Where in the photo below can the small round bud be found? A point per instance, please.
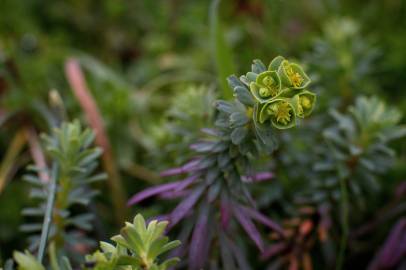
(305, 102)
(264, 92)
(268, 81)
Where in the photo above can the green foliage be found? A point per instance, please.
(70, 148)
(138, 247)
(171, 137)
(357, 147)
(224, 165)
(154, 69)
(26, 261)
(344, 59)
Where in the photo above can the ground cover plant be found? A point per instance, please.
(177, 134)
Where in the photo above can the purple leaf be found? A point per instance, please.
(264, 220)
(239, 256)
(173, 194)
(199, 244)
(258, 177)
(158, 218)
(169, 190)
(400, 190)
(394, 248)
(212, 132)
(225, 212)
(172, 171)
(183, 208)
(262, 176)
(186, 182)
(274, 250)
(179, 191)
(248, 226)
(191, 165)
(148, 192)
(226, 255)
(203, 146)
(188, 167)
(183, 237)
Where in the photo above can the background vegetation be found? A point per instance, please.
(153, 70)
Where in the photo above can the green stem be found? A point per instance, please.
(221, 51)
(52, 256)
(344, 223)
(48, 212)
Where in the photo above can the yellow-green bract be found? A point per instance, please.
(278, 93)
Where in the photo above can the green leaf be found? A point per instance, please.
(257, 66)
(156, 247)
(238, 135)
(169, 263)
(27, 261)
(244, 96)
(238, 119)
(139, 224)
(275, 63)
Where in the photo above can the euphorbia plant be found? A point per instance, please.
(138, 247)
(342, 178)
(216, 182)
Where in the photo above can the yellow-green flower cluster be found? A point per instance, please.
(280, 92)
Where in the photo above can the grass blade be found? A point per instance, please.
(221, 51)
(77, 81)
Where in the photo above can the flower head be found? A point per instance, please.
(280, 112)
(304, 103)
(292, 75)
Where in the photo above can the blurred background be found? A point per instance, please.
(146, 63)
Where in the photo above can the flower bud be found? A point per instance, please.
(267, 85)
(304, 103)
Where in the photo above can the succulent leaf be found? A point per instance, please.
(137, 247)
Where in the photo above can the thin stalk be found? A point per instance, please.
(7, 164)
(52, 257)
(344, 223)
(48, 212)
(80, 89)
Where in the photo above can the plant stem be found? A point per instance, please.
(6, 166)
(344, 223)
(80, 89)
(221, 51)
(48, 212)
